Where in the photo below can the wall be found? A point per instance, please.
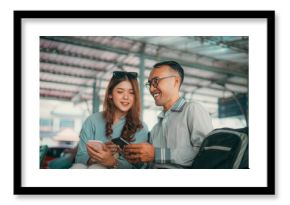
(282, 94)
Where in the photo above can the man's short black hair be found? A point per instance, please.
(174, 65)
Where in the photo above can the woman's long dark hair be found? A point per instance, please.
(133, 122)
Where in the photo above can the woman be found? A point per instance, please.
(120, 118)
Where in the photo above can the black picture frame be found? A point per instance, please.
(19, 189)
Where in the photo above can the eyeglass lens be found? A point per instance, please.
(153, 82)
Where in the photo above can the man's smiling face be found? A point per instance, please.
(164, 86)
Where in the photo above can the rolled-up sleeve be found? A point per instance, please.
(85, 134)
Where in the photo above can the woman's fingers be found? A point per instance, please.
(92, 152)
(113, 148)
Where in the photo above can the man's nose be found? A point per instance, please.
(151, 88)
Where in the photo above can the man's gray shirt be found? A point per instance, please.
(179, 132)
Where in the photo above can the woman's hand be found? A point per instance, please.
(101, 156)
(113, 147)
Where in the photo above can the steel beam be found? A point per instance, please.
(89, 44)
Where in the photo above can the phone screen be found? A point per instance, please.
(120, 141)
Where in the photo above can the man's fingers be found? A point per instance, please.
(133, 157)
(132, 149)
(134, 146)
(133, 161)
(130, 152)
(137, 147)
(130, 157)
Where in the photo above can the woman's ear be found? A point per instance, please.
(110, 96)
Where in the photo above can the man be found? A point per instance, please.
(181, 126)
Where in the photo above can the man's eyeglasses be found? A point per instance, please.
(122, 74)
(154, 82)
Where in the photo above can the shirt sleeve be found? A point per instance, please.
(162, 154)
(199, 124)
(85, 134)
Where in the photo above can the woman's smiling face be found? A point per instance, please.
(123, 96)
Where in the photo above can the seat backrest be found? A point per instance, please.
(223, 148)
(42, 153)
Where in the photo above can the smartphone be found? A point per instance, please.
(120, 141)
(96, 143)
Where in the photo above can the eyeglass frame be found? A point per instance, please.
(157, 79)
(122, 74)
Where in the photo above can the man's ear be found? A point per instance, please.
(177, 82)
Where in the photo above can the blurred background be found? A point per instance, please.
(75, 71)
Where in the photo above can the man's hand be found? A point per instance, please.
(136, 153)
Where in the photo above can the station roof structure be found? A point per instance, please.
(72, 67)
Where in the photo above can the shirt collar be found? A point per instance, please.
(177, 107)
